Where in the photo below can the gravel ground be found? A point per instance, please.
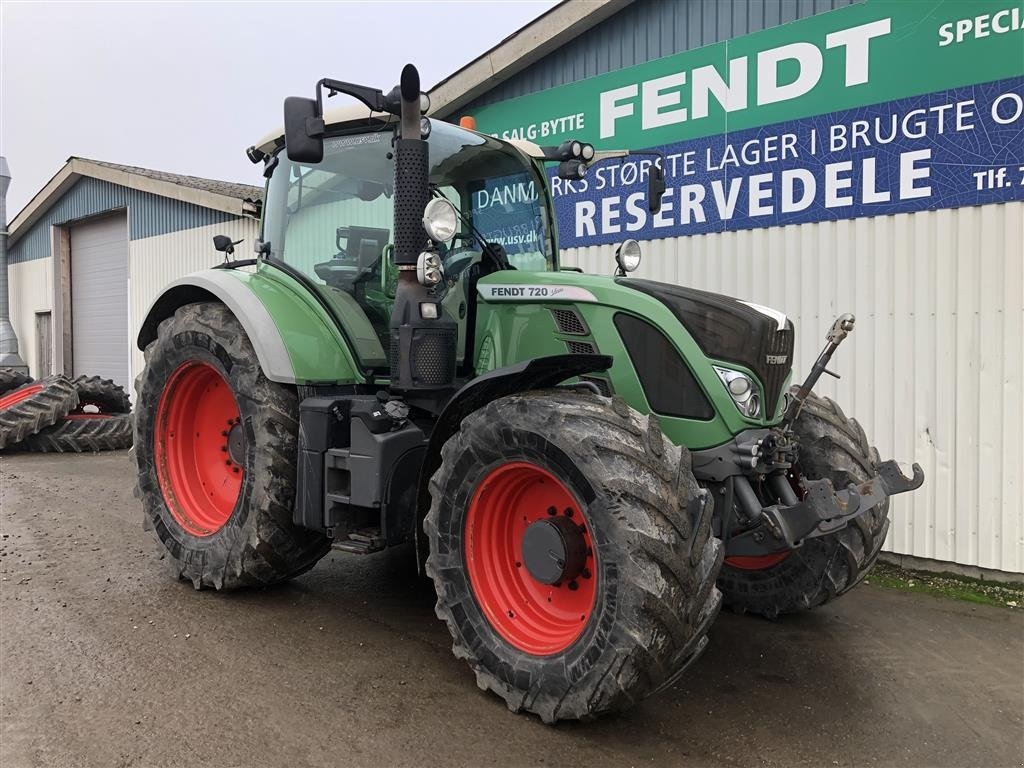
(107, 661)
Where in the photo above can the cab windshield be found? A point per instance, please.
(333, 220)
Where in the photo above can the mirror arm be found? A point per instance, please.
(372, 97)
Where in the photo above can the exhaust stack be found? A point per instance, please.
(423, 338)
(9, 357)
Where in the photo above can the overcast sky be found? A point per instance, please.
(187, 86)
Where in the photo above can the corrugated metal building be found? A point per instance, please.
(92, 250)
(934, 369)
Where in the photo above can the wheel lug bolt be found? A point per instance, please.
(552, 511)
(224, 434)
(235, 470)
(573, 586)
(223, 449)
(568, 512)
(227, 463)
(586, 573)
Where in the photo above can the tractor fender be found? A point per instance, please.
(538, 373)
(219, 285)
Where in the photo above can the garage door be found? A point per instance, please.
(99, 298)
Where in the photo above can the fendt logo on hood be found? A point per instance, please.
(776, 359)
(534, 293)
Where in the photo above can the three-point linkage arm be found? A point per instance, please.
(840, 329)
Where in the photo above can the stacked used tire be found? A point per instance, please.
(61, 415)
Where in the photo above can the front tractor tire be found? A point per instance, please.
(832, 447)
(567, 566)
(215, 444)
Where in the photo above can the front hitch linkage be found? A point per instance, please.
(824, 509)
(841, 328)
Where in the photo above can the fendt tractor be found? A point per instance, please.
(571, 456)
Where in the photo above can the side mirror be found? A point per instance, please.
(303, 130)
(225, 244)
(655, 187)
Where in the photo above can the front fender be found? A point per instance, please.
(295, 342)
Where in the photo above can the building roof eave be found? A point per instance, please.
(545, 34)
(77, 168)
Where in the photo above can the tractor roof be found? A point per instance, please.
(353, 112)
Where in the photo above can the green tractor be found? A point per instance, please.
(573, 456)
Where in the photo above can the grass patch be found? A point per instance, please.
(947, 585)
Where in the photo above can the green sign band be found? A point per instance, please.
(877, 51)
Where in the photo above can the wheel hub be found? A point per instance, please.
(199, 448)
(530, 558)
(554, 550)
(236, 443)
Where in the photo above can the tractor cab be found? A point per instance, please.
(332, 220)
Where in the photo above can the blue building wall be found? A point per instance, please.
(149, 215)
(648, 30)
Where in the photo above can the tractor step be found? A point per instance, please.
(361, 542)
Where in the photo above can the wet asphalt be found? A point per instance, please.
(105, 660)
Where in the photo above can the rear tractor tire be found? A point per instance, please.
(832, 447)
(215, 444)
(34, 406)
(96, 395)
(568, 565)
(83, 433)
(102, 421)
(12, 379)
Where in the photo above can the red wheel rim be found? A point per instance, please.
(538, 618)
(11, 399)
(194, 418)
(758, 562)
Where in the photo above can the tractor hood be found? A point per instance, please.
(730, 330)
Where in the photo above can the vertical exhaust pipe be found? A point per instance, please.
(9, 357)
(412, 189)
(423, 342)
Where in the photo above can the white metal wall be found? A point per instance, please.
(153, 262)
(933, 370)
(31, 290)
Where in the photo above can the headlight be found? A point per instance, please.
(440, 220)
(742, 391)
(627, 255)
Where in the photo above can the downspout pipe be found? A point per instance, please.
(9, 357)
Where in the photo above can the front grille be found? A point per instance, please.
(726, 329)
(780, 344)
(581, 347)
(569, 323)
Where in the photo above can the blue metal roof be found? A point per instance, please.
(149, 215)
(651, 29)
